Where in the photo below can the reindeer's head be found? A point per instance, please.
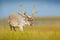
(28, 19)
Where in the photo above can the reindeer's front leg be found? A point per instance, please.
(20, 28)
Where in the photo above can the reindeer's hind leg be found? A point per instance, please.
(14, 28)
(10, 27)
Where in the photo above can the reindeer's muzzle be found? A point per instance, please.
(30, 24)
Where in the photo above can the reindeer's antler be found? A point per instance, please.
(33, 10)
(21, 8)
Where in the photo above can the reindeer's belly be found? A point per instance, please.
(15, 24)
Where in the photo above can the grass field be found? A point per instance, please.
(35, 32)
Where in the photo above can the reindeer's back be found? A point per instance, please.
(15, 16)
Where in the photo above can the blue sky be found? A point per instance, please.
(43, 7)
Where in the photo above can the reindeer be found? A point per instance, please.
(19, 20)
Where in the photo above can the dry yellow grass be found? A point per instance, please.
(35, 32)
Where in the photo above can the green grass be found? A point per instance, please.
(35, 32)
